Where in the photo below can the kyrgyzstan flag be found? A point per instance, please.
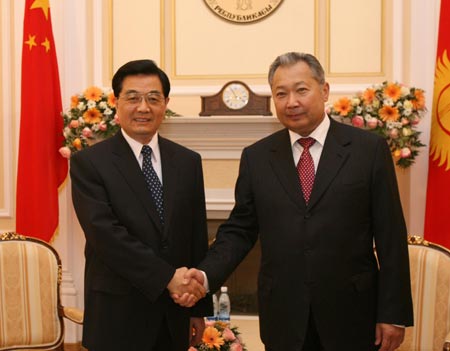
(437, 215)
(41, 169)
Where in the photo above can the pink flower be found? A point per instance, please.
(393, 133)
(405, 152)
(358, 121)
(87, 133)
(228, 335)
(102, 126)
(372, 123)
(65, 152)
(415, 121)
(236, 346)
(192, 349)
(405, 121)
(74, 124)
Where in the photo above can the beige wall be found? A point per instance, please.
(197, 48)
(201, 52)
(358, 42)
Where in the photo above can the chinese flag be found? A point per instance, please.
(437, 215)
(41, 169)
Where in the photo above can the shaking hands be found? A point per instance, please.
(186, 286)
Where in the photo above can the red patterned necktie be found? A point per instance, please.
(305, 167)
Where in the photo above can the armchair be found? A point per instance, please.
(430, 284)
(31, 314)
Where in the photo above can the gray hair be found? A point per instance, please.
(291, 58)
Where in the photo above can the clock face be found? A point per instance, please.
(235, 96)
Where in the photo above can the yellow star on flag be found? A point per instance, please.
(31, 41)
(41, 4)
(46, 44)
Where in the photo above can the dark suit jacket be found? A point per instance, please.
(130, 257)
(320, 257)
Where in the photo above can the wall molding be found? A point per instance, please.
(7, 70)
(262, 89)
(219, 137)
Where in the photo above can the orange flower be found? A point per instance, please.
(343, 106)
(419, 102)
(92, 116)
(393, 91)
(111, 100)
(93, 93)
(77, 143)
(211, 337)
(74, 101)
(389, 114)
(368, 96)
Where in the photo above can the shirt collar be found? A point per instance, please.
(136, 146)
(319, 134)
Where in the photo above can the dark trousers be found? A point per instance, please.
(164, 339)
(312, 339)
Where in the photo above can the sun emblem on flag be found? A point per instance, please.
(440, 123)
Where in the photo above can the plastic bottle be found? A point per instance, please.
(215, 315)
(224, 305)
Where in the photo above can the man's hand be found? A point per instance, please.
(184, 290)
(197, 326)
(389, 336)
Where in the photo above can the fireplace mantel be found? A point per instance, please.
(218, 138)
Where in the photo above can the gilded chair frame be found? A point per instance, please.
(420, 242)
(13, 337)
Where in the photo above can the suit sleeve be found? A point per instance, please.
(200, 239)
(118, 254)
(236, 237)
(390, 233)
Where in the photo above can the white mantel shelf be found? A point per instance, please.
(218, 137)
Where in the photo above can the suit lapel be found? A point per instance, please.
(333, 157)
(170, 178)
(127, 164)
(284, 168)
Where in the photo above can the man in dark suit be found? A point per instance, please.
(140, 228)
(319, 285)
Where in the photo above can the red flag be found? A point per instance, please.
(437, 215)
(41, 169)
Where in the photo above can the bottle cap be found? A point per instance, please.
(224, 289)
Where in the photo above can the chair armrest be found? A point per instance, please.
(447, 343)
(74, 314)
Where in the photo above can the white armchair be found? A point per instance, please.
(31, 314)
(430, 284)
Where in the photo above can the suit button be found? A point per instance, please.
(307, 215)
(164, 245)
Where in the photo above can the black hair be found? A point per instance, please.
(137, 67)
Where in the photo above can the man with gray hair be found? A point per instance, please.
(318, 195)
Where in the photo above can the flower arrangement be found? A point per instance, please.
(221, 337)
(91, 118)
(390, 110)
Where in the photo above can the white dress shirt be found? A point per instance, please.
(319, 134)
(156, 155)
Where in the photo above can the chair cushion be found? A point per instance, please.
(28, 295)
(430, 284)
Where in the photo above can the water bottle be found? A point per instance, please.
(215, 315)
(224, 305)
